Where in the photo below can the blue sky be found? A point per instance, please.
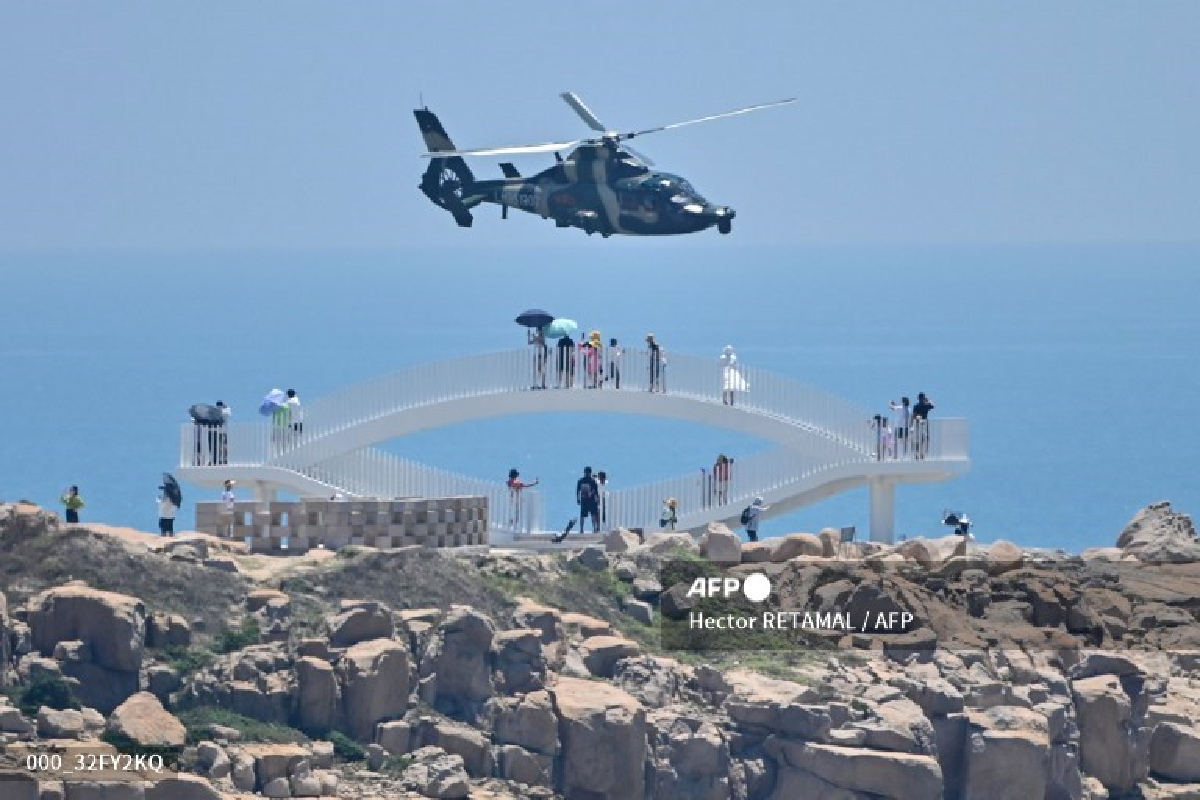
(176, 126)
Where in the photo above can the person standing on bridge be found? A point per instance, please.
(295, 414)
(516, 487)
(587, 495)
(731, 377)
(720, 473)
(615, 351)
(657, 364)
(901, 422)
(566, 362)
(920, 424)
(537, 341)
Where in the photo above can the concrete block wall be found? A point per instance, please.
(297, 526)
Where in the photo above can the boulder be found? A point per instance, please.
(668, 543)
(1175, 753)
(590, 559)
(641, 611)
(271, 762)
(521, 766)
(12, 722)
(621, 540)
(1113, 745)
(161, 680)
(168, 630)
(520, 664)
(1156, 534)
(395, 737)
(360, 621)
(932, 553)
(181, 787)
(831, 541)
(757, 552)
(721, 545)
(603, 734)
(527, 721)
(547, 621)
(112, 625)
(471, 745)
(796, 544)
(1003, 556)
(1006, 765)
(459, 660)
(601, 653)
(374, 677)
(143, 719)
(21, 787)
(900, 776)
(435, 773)
(55, 724)
(317, 696)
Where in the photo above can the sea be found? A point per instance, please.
(1077, 366)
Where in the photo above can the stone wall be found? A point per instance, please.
(300, 525)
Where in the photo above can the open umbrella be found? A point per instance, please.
(171, 489)
(275, 399)
(560, 328)
(534, 318)
(206, 414)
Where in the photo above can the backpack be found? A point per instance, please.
(746, 516)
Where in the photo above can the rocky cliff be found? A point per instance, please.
(410, 673)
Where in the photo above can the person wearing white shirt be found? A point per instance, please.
(295, 412)
(229, 498)
(166, 514)
(753, 512)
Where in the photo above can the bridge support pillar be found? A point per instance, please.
(883, 510)
(264, 492)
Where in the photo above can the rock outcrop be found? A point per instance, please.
(603, 732)
(111, 631)
(143, 720)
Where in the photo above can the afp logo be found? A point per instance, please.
(756, 588)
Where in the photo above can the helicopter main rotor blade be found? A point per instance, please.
(498, 151)
(584, 112)
(734, 113)
(646, 160)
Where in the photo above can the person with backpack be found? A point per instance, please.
(669, 515)
(587, 495)
(750, 517)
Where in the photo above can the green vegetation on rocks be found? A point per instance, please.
(200, 719)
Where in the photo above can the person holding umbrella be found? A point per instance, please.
(169, 500)
(535, 319)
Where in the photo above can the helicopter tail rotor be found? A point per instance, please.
(448, 180)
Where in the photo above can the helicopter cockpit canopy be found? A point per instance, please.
(675, 189)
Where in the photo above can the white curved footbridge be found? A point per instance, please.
(825, 445)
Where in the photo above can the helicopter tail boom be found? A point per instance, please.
(447, 181)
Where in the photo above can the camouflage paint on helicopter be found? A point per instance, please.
(601, 187)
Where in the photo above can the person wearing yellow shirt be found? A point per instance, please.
(73, 502)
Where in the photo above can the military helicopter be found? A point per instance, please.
(602, 186)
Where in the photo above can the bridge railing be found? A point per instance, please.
(703, 379)
(374, 473)
(700, 492)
